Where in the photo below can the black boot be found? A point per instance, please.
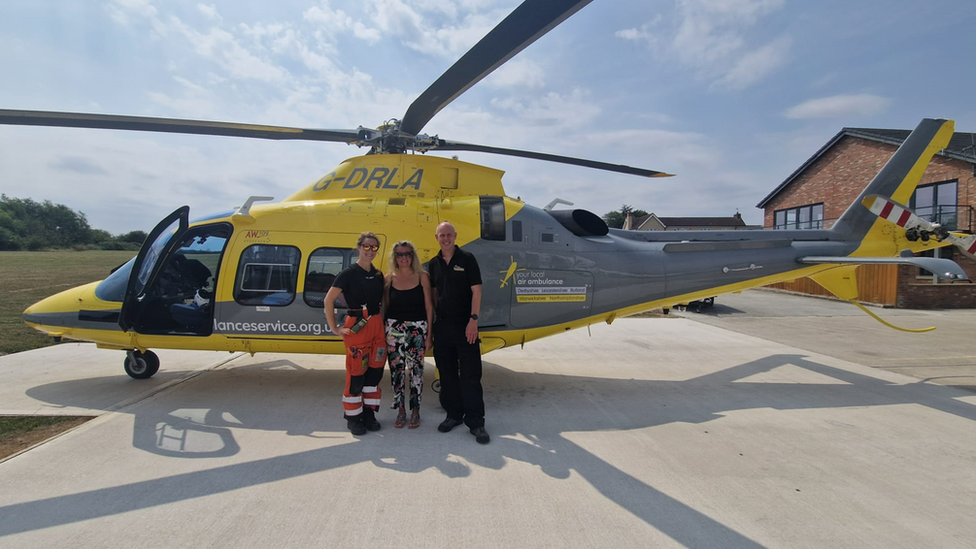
(356, 425)
(369, 419)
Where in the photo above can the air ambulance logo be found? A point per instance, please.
(512, 269)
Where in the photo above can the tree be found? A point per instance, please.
(35, 226)
(616, 219)
(135, 237)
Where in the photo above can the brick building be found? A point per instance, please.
(821, 189)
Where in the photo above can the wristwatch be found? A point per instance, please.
(474, 317)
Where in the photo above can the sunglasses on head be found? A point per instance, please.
(404, 254)
(368, 248)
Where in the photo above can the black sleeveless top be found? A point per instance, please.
(407, 304)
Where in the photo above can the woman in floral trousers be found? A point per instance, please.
(409, 312)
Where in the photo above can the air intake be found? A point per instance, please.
(581, 222)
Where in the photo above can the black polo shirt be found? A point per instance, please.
(361, 288)
(453, 283)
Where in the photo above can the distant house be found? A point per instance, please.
(652, 222)
(822, 188)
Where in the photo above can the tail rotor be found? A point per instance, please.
(917, 228)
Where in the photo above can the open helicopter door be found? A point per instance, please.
(147, 263)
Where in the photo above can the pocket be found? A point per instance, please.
(379, 357)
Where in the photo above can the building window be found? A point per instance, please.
(937, 203)
(944, 253)
(802, 217)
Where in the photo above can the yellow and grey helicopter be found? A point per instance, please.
(254, 279)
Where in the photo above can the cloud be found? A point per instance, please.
(209, 11)
(551, 111)
(839, 106)
(754, 65)
(329, 23)
(434, 28)
(712, 37)
(77, 165)
(123, 11)
(518, 72)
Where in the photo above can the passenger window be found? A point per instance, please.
(267, 275)
(323, 266)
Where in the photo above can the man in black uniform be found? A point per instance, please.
(456, 278)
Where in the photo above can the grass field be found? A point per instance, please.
(18, 433)
(28, 277)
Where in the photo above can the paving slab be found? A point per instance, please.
(649, 433)
(945, 355)
(78, 379)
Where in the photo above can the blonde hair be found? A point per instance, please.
(414, 259)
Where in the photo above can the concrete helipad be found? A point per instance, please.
(648, 433)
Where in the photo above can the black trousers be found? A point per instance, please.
(459, 367)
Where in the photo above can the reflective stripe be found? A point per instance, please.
(369, 389)
(352, 399)
(355, 412)
(371, 401)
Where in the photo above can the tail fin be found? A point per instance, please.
(896, 180)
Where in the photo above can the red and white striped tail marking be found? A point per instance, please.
(968, 244)
(902, 217)
(896, 214)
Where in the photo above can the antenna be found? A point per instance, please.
(555, 201)
(246, 208)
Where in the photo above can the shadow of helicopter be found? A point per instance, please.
(283, 396)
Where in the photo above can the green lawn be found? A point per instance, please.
(28, 277)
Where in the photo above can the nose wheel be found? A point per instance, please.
(141, 365)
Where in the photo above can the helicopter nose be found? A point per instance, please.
(54, 314)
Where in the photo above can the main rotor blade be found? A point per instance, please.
(619, 168)
(522, 27)
(171, 125)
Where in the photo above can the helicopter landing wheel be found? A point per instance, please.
(435, 386)
(141, 365)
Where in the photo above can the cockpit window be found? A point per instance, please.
(149, 264)
(113, 287)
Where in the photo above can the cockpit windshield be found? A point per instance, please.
(113, 287)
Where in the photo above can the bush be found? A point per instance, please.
(9, 241)
(36, 243)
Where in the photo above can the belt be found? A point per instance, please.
(358, 313)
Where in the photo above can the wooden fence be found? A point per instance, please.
(876, 284)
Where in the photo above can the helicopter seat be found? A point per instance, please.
(190, 316)
(278, 298)
(194, 314)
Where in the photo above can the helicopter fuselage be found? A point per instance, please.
(265, 271)
(255, 279)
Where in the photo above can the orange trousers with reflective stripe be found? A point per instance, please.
(365, 361)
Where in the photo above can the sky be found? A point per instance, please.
(731, 96)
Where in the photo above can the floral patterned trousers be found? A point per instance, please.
(405, 345)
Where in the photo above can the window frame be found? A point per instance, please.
(242, 270)
(936, 214)
(793, 218)
(348, 255)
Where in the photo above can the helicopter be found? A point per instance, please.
(254, 278)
